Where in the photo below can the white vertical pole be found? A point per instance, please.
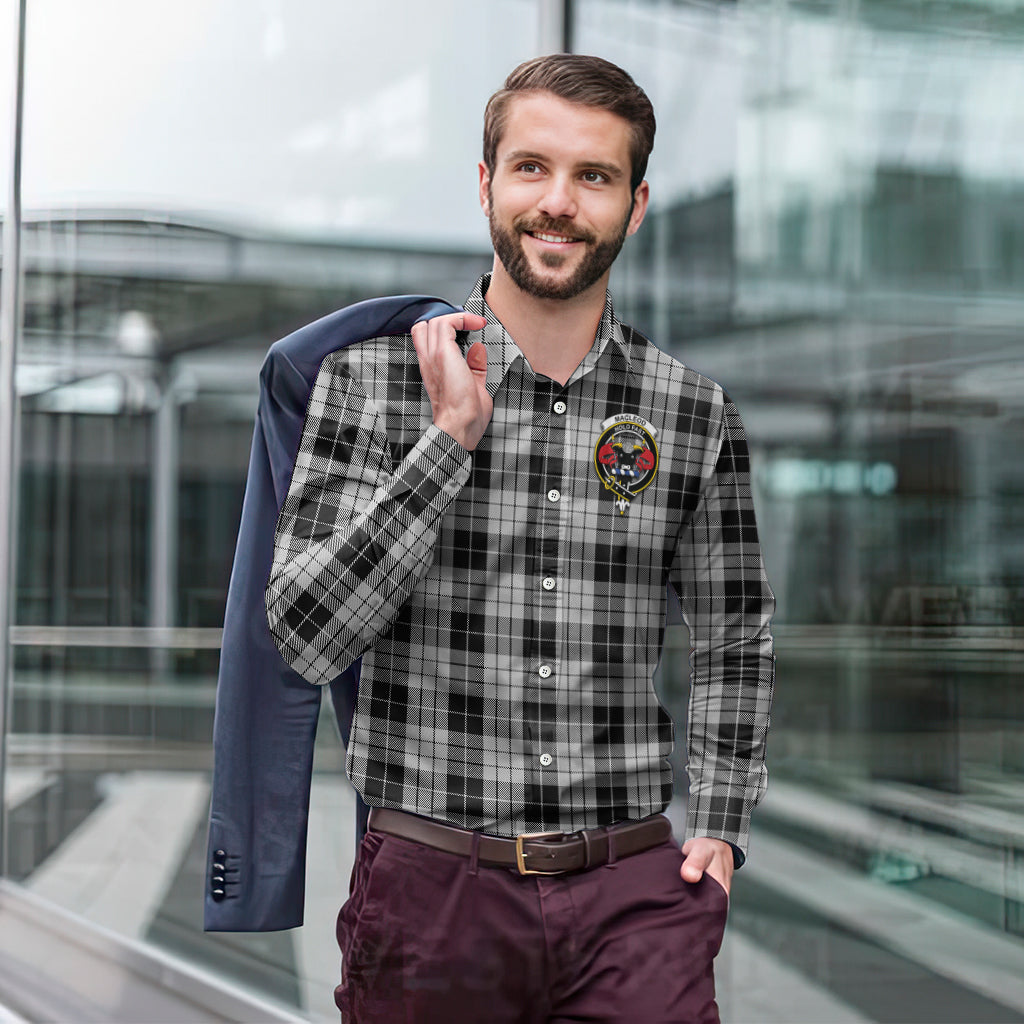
(163, 548)
(553, 26)
(10, 318)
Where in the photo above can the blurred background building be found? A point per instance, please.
(836, 235)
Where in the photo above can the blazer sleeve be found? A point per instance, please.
(266, 714)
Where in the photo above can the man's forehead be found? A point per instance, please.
(536, 119)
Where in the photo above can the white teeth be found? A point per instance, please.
(551, 238)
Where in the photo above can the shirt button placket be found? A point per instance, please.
(550, 518)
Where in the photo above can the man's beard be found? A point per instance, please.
(597, 259)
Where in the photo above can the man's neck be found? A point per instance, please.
(554, 334)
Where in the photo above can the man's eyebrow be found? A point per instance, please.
(611, 170)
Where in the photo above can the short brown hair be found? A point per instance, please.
(575, 77)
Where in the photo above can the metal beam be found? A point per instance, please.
(10, 319)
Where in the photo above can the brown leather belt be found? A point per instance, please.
(532, 853)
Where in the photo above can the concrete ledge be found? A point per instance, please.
(55, 966)
(980, 959)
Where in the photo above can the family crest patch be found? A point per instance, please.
(626, 457)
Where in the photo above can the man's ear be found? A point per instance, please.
(641, 197)
(485, 183)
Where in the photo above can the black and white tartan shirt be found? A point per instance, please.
(509, 604)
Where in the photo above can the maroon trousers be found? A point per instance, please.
(429, 937)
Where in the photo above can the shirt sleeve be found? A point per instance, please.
(355, 533)
(719, 576)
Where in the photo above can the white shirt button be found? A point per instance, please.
(560, 407)
(544, 671)
(545, 759)
(548, 583)
(554, 495)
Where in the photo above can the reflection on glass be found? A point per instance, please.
(836, 237)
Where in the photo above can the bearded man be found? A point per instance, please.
(491, 513)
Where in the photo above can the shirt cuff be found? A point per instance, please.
(738, 856)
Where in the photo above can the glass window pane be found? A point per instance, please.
(200, 178)
(836, 237)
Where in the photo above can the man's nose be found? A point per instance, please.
(559, 199)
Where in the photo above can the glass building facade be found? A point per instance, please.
(836, 235)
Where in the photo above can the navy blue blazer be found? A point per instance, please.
(266, 714)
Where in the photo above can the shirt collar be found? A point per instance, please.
(502, 351)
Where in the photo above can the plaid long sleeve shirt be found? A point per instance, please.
(509, 604)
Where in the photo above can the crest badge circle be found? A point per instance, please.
(626, 457)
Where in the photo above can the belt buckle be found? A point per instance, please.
(520, 856)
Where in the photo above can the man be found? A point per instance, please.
(490, 513)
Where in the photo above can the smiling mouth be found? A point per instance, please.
(546, 237)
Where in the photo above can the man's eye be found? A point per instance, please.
(593, 177)
(528, 168)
